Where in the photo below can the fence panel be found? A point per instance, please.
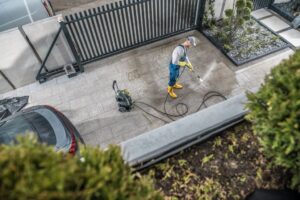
(258, 4)
(107, 30)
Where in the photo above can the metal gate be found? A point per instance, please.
(104, 31)
(262, 3)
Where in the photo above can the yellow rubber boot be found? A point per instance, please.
(177, 86)
(171, 92)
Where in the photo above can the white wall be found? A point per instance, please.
(17, 60)
(221, 6)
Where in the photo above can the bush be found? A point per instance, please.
(275, 114)
(31, 170)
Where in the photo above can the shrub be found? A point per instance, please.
(275, 114)
(31, 170)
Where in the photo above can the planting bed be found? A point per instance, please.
(229, 166)
(247, 47)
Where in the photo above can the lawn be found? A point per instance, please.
(229, 166)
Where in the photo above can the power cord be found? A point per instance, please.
(184, 106)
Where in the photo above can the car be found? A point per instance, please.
(47, 123)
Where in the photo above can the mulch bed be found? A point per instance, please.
(229, 166)
(247, 46)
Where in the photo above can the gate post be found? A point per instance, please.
(71, 44)
(200, 13)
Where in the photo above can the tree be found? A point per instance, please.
(275, 114)
(30, 170)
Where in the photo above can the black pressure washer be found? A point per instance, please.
(123, 98)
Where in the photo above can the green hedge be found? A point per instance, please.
(275, 114)
(31, 170)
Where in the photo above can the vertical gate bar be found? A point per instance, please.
(121, 24)
(100, 34)
(201, 10)
(104, 30)
(109, 11)
(83, 51)
(166, 11)
(176, 15)
(83, 36)
(195, 12)
(93, 16)
(144, 20)
(159, 24)
(148, 19)
(161, 16)
(91, 28)
(169, 16)
(187, 14)
(129, 32)
(115, 25)
(71, 45)
(152, 10)
(139, 21)
(133, 27)
(172, 14)
(155, 24)
(111, 44)
(181, 14)
(192, 13)
(69, 26)
(89, 44)
(186, 7)
(136, 21)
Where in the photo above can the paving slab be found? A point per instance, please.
(292, 36)
(275, 23)
(261, 13)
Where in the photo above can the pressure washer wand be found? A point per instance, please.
(197, 75)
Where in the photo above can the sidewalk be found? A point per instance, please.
(89, 101)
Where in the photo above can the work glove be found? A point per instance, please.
(190, 66)
(182, 63)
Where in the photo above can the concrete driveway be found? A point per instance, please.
(89, 101)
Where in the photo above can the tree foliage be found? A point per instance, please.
(30, 170)
(275, 114)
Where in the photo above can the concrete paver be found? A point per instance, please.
(275, 23)
(292, 36)
(258, 14)
(89, 101)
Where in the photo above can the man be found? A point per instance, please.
(179, 59)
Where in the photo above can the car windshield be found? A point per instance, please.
(42, 126)
(49, 127)
(16, 126)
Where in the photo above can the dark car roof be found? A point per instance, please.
(40, 120)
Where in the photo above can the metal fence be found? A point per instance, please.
(117, 27)
(258, 4)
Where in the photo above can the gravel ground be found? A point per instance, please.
(249, 46)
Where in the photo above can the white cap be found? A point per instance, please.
(192, 40)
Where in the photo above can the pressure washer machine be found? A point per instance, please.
(123, 98)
